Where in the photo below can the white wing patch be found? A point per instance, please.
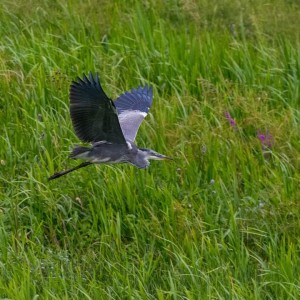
(129, 145)
(128, 114)
(130, 121)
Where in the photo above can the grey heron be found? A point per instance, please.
(110, 126)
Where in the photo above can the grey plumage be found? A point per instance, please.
(110, 127)
(132, 108)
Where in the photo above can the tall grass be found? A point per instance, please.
(222, 222)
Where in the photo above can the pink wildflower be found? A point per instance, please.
(266, 139)
(230, 120)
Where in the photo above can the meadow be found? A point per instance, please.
(222, 221)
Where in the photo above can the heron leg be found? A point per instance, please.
(59, 174)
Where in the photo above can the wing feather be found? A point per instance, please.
(132, 108)
(93, 114)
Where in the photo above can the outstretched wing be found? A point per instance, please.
(93, 114)
(132, 108)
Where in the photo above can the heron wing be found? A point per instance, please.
(93, 114)
(132, 108)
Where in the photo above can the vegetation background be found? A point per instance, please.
(223, 222)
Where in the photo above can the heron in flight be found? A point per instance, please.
(110, 126)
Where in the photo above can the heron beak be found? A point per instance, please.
(167, 157)
(159, 156)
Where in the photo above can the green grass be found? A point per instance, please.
(223, 221)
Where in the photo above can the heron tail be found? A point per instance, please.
(79, 152)
(59, 174)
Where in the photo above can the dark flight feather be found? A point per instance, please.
(93, 114)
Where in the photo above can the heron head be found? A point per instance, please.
(151, 154)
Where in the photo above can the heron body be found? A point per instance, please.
(110, 126)
(109, 153)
